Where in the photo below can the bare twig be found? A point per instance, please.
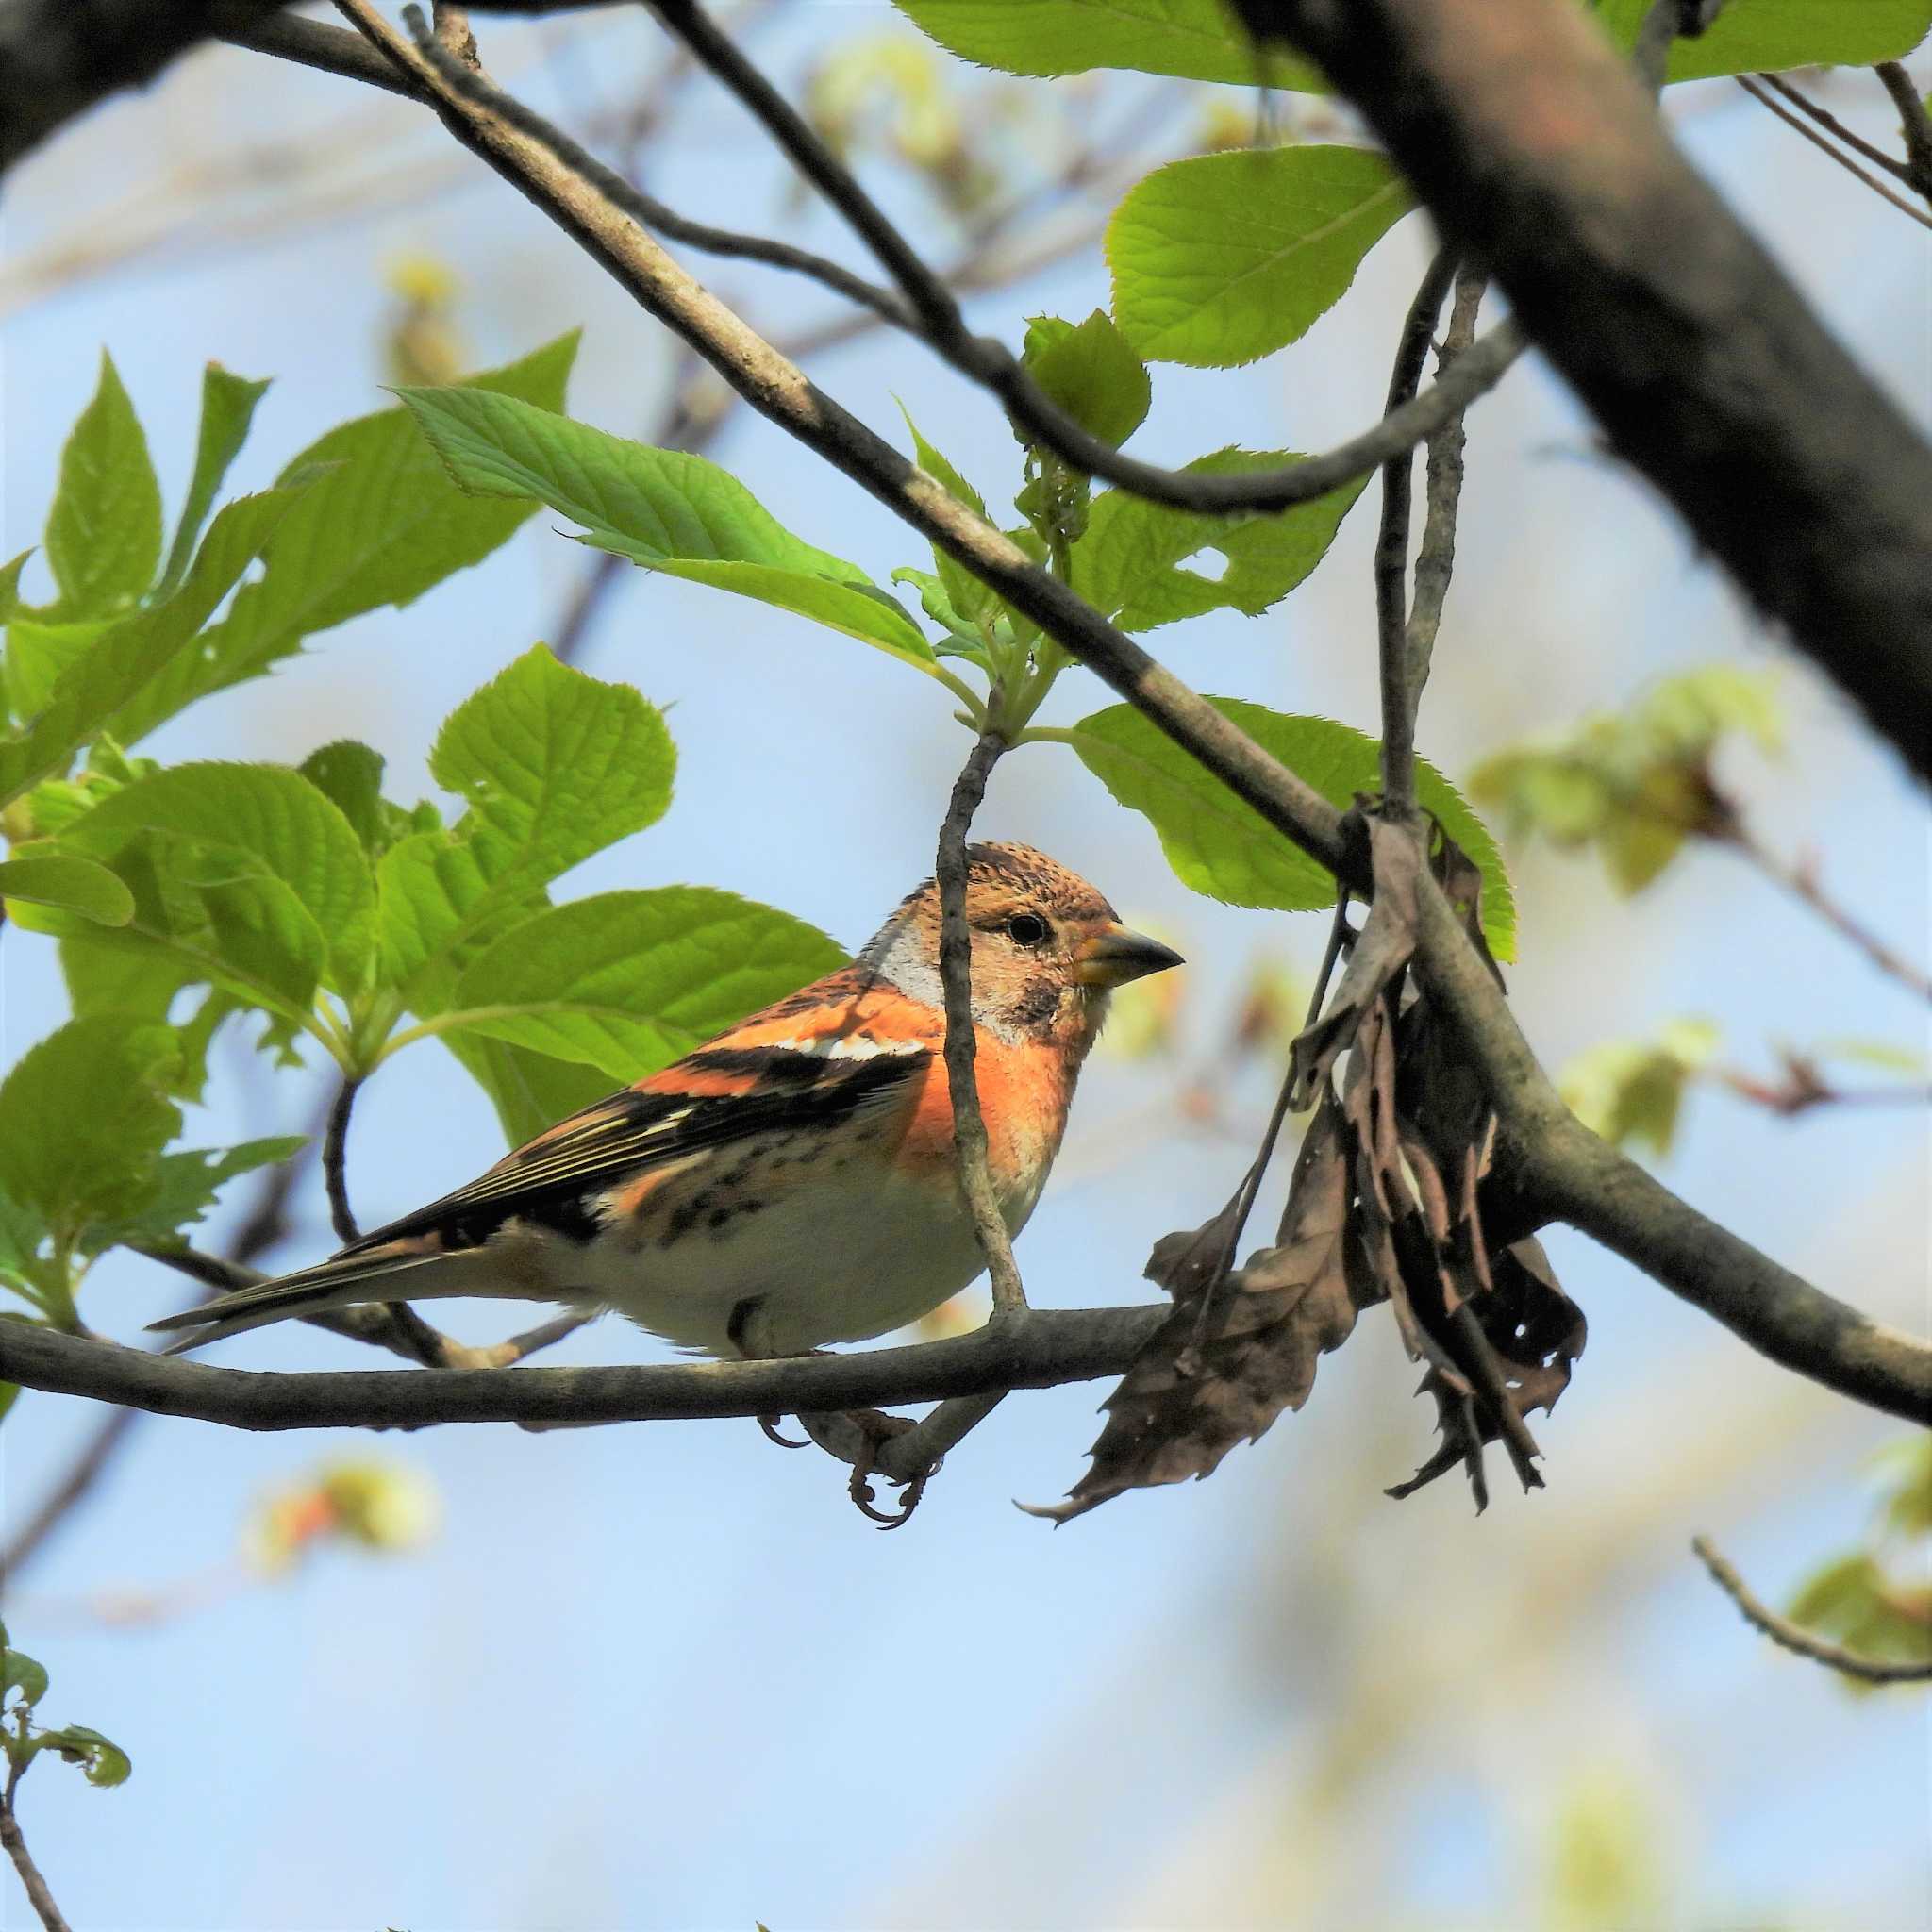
(955, 968)
(943, 325)
(1833, 126)
(1914, 123)
(1803, 1088)
(1037, 1348)
(38, 1896)
(1766, 99)
(335, 1177)
(1789, 1636)
(1435, 561)
(1800, 878)
(1391, 544)
(312, 44)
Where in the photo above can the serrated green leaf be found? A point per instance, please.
(1220, 258)
(665, 510)
(350, 775)
(104, 532)
(279, 870)
(1223, 848)
(1771, 36)
(22, 1674)
(185, 1187)
(9, 585)
(40, 651)
(379, 523)
(103, 1762)
(77, 884)
(630, 981)
(84, 1115)
(227, 407)
(1092, 372)
(553, 766)
(112, 684)
(1194, 40)
(1130, 563)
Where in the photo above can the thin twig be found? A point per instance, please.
(647, 208)
(1832, 124)
(1766, 99)
(335, 1177)
(1787, 1636)
(1800, 878)
(1914, 124)
(955, 969)
(1435, 559)
(943, 325)
(1802, 1089)
(38, 1896)
(1391, 544)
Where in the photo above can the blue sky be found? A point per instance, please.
(664, 1675)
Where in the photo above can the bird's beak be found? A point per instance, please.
(1113, 956)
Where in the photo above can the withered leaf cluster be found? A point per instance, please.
(1383, 1206)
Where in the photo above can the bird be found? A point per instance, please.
(793, 1183)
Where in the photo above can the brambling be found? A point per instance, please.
(794, 1182)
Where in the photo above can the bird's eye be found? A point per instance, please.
(1026, 929)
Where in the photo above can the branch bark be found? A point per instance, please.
(1541, 159)
(1036, 1349)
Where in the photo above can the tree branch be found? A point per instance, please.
(1914, 123)
(1789, 1636)
(1899, 170)
(335, 1177)
(955, 966)
(38, 1896)
(1391, 544)
(309, 43)
(1541, 158)
(1766, 99)
(1038, 1348)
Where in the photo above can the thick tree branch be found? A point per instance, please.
(59, 57)
(1540, 157)
(1036, 1349)
(1800, 1643)
(310, 43)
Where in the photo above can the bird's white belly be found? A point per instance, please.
(840, 1261)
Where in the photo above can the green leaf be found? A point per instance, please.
(630, 981)
(9, 585)
(84, 1116)
(1771, 36)
(663, 509)
(971, 600)
(349, 773)
(104, 1763)
(379, 523)
(1220, 258)
(10, 1395)
(1633, 1090)
(104, 532)
(553, 766)
(77, 884)
(39, 650)
(1905, 1467)
(1092, 372)
(1130, 563)
(227, 407)
(186, 1184)
(1223, 848)
(21, 1673)
(277, 865)
(113, 684)
(1194, 40)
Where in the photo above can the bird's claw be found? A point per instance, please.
(876, 1429)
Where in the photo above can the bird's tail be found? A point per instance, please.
(412, 1268)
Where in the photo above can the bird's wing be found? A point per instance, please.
(716, 1098)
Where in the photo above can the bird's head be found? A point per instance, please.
(1047, 949)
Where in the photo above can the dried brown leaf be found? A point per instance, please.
(1219, 1370)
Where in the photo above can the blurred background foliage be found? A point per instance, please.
(1274, 1700)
